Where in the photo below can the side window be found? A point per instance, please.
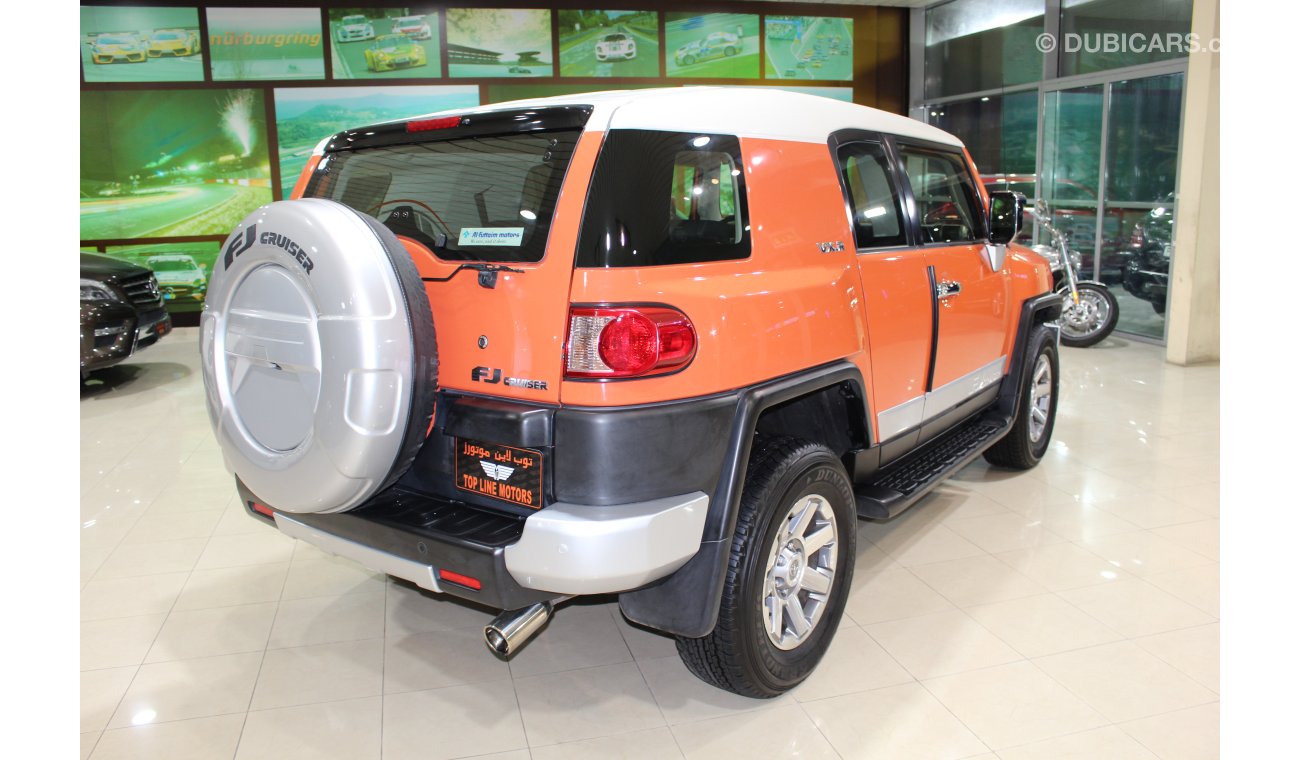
(877, 213)
(946, 201)
(662, 198)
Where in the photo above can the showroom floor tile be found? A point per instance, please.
(1069, 611)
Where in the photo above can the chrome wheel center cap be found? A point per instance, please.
(790, 564)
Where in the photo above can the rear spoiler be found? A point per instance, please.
(454, 127)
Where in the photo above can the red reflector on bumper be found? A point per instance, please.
(263, 509)
(462, 580)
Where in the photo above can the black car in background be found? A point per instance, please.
(121, 311)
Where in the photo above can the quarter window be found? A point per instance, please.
(877, 214)
(661, 198)
(945, 198)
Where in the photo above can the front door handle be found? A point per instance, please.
(947, 288)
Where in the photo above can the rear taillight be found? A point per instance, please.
(627, 341)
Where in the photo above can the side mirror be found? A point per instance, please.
(1006, 212)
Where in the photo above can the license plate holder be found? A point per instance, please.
(497, 471)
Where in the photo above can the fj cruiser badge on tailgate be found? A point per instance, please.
(493, 376)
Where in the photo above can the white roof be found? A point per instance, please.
(766, 112)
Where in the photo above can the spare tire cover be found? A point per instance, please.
(319, 358)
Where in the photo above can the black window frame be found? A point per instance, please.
(600, 214)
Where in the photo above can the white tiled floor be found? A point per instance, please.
(1071, 611)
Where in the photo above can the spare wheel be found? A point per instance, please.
(319, 356)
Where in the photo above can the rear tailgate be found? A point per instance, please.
(490, 214)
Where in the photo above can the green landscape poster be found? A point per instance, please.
(171, 163)
(498, 42)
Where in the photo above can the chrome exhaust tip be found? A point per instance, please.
(510, 630)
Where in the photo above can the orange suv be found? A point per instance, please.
(666, 344)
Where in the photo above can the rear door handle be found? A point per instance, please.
(947, 288)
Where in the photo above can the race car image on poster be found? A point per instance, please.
(117, 48)
(392, 51)
(809, 47)
(415, 27)
(716, 45)
(174, 42)
(354, 29)
(167, 39)
(712, 45)
(616, 46)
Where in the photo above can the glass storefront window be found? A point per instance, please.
(1101, 151)
(1000, 131)
(1141, 175)
(1072, 168)
(1108, 34)
(973, 45)
(1143, 138)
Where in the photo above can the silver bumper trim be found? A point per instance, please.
(373, 559)
(575, 549)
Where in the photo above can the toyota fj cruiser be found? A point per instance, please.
(665, 344)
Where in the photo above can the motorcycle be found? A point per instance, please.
(1090, 310)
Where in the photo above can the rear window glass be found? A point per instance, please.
(472, 199)
(662, 198)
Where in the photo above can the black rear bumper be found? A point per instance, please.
(429, 534)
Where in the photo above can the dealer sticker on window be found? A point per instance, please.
(512, 236)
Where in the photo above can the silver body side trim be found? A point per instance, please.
(574, 549)
(947, 396)
(421, 575)
(913, 412)
(905, 416)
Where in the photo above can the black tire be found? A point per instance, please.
(1103, 330)
(424, 348)
(688, 60)
(1019, 449)
(738, 655)
(729, 51)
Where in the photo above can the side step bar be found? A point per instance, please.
(902, 484)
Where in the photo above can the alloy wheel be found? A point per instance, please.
(800, 572)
